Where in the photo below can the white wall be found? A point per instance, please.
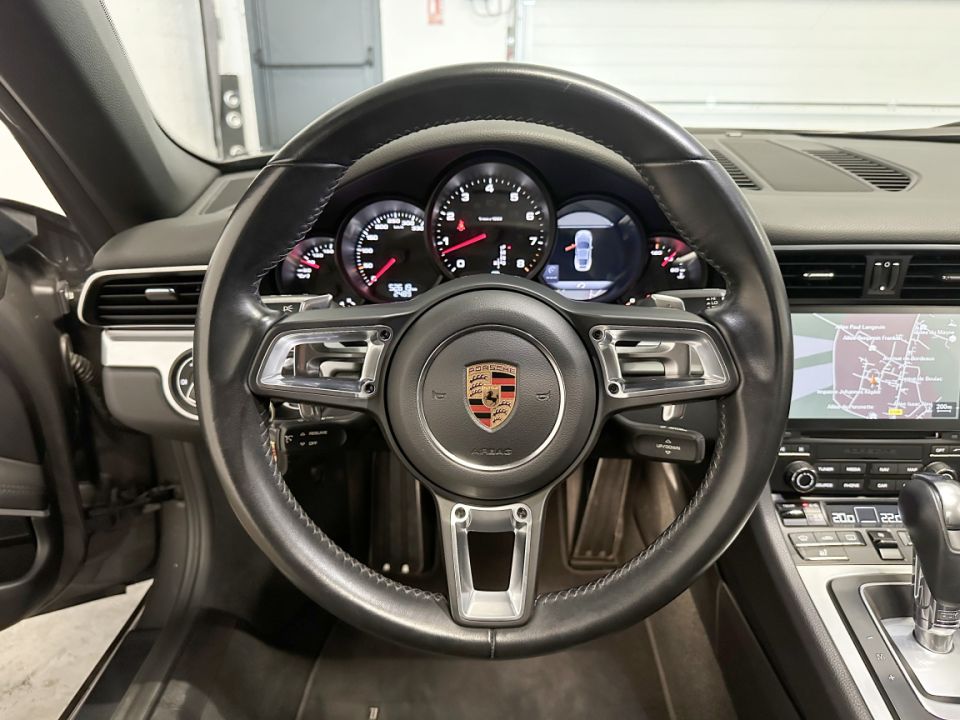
(753, 62)
(18, 179)
(854, 63)
(409, 43)
(163, 40)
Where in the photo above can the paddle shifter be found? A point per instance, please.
(930, 507)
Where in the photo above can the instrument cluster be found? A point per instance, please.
(490, 217)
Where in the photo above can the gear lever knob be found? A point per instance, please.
(930, 508)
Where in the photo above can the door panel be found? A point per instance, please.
(51, 547)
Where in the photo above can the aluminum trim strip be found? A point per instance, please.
(154, 349)
(816, 579)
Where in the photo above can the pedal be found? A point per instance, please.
(398, 542)
(600, 535)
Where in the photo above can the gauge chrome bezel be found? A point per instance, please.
(472, 168)
(349, 235)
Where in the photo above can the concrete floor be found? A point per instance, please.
(44, 660)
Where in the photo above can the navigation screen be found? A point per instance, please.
(866, 366)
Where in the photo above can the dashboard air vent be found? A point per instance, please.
(876, 173)
(168, 298)
(823, 275)
(742, 180)
(934, 276)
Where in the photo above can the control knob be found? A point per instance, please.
(801, 476)
(941, 468)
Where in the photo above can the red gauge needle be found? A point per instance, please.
(471, 241)
(309, 263)
(668, 259)
(379, 273)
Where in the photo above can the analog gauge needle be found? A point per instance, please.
(309, 263)
(379, 273)
(668, 259)
(471, 241)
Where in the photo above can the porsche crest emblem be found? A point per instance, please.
(491, 393)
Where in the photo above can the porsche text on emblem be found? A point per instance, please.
(491, 393)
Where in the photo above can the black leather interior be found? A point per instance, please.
(21, 485)
(694, 192)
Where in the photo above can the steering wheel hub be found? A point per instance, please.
(476, 396)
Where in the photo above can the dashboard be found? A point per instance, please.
(488, 215)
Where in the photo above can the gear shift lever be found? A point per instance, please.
(930, 508)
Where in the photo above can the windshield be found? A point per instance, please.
(228, 78)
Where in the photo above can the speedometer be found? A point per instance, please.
(383, 252)
(490, 218)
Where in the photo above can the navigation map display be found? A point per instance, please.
(873, 366)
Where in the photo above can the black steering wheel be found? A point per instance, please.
(555, 362)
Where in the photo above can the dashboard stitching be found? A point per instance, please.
(303, 230)
(677, 225)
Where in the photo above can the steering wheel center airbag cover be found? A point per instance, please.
(476, 398)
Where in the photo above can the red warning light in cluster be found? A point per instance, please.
(461, 226)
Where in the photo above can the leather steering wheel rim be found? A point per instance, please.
(704, 206)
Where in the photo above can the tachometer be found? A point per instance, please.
(382, 249)
(490, 218)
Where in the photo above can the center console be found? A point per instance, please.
(876, 400)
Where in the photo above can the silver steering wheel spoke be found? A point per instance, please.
(656, 356)
(331, 356)
(492, 607)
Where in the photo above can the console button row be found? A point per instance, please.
(828, 546)
(945, 450)
(859, 468)
(826, 538)
(858, 485)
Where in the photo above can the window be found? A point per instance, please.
(19, 179)
(232, 77)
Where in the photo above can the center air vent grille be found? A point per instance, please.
(167, 298)
(742, 180)
(872, 171)
(822, 276)
(934, 276)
